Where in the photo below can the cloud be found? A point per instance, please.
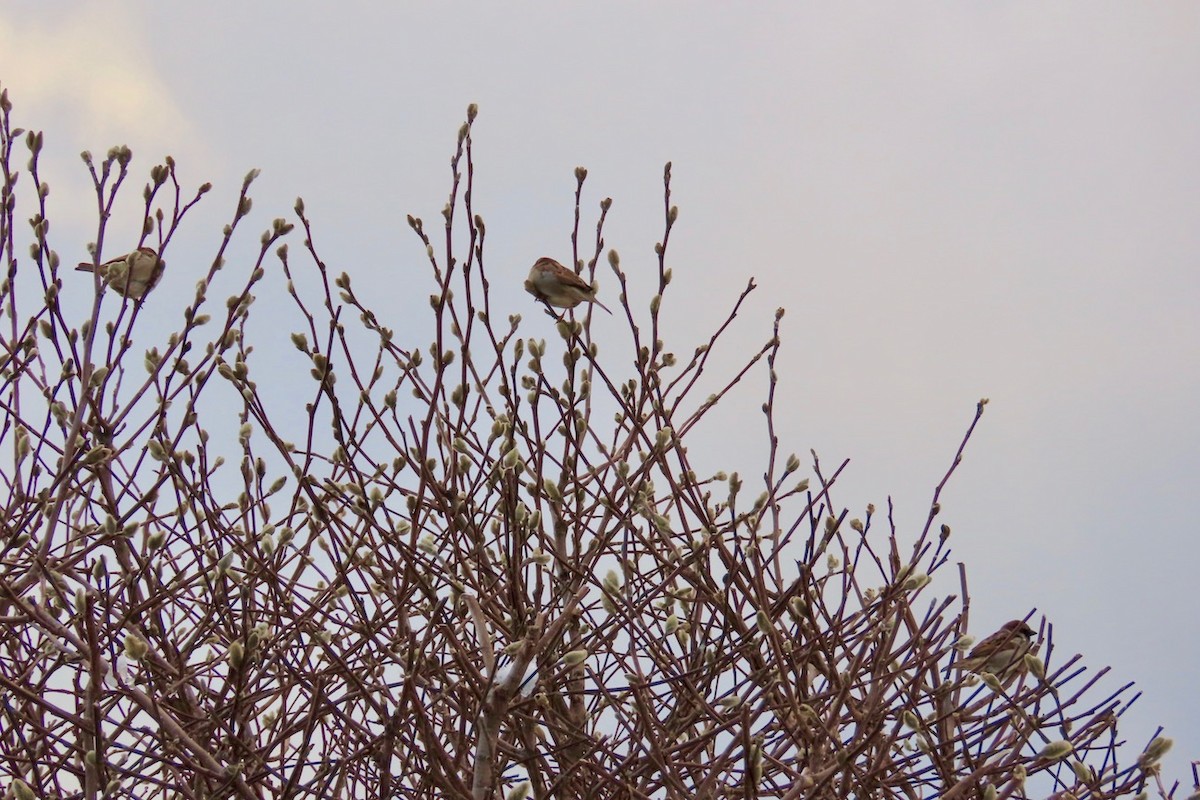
(83, 71)
(88, 77)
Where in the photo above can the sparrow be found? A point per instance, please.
(1002, 653)
(133, 274)
(555, 285)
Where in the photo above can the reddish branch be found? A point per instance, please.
(474, 552)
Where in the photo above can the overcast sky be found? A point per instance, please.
(952, 200)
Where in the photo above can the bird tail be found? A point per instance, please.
(606, 308)
(85, 266)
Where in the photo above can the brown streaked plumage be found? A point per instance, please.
(133, 274)
(1002, 653)
(555, 285)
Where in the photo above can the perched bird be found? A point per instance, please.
(555, 285)
(132, 275)
(1002, 653)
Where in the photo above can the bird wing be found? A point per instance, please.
(87, 266)
(569, 278)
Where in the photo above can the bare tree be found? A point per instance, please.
(479, 567)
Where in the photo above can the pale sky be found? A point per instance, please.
(952, 200)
